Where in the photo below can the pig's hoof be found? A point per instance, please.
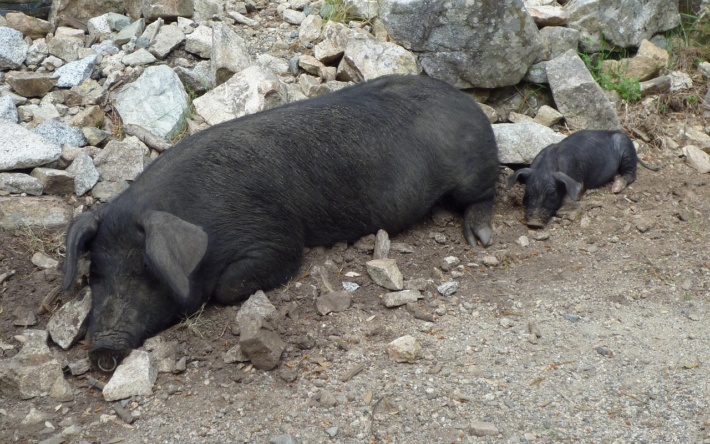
(618, 186)
(535, 223)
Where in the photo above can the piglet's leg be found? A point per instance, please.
(477, 223)
(262, 268)
(619, 185)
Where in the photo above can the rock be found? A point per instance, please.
(55, 182)
(382, 245)
(448, 288)
(60, 133)
(487, 46)
(277, 65)
(293, 17)
(20, 148)
(13, 48)
(547, 116)
(404, 349)
(258, 305)
(61, 390)
(72, 74)
(105, 191)
(364, 9)
(121, 161)
(234, 354)
(199, 79)
(37, 52)
(578, 97)
(680, 81)
(167, 39)
(135, 376)
(117, 21)
(31, 84)
(99, 27)
(622, 23)
(252, 90)
(156, 101)
(65, 47)
(449, 262)
(18, 183)
(43, 212)
(79, 367)
(138, 58)
(694, 136)
(655, 86)
(32, 371)
(310, 29)
(366, 58)
(556, 40)
(95, 136)
(91, 116)
(399, 298)
(546, 16)
(697, 158)
(164, 353)
(84, 172)
(523, 241)
(8, 110)
(646, 64)
(283, 439)
(32, 27)
(68, 324)
(88, 92)
(260, 342)
(229, 53)
(129, 32)
(313, 66)
(199, 42)
(71, 11)
(519, 143)
(480, 428)
(490, 261)
(43, 261)
(166, 9)
(333, 302)
(384, 272)
(24, 317)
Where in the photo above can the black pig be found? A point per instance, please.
(584, 160)
(229, 210)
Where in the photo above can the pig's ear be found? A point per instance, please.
(520, 175)
(573, 187)
(80, 232)
(173, 249)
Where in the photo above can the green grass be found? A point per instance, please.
(628, 88)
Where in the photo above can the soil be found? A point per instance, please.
(595, 331)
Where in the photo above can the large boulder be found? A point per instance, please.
(68, 12)
(21, 148)
(488, 45)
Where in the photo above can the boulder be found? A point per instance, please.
(42, 212)
(13, 48)
(21, 148)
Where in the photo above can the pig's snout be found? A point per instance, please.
(536, 220)
(107, 353)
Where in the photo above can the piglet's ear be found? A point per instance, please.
(80, 233)
(520, 175)
(173, 249)
(573, 187)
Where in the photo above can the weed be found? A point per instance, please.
(628, 87)
(340, 11)
(193, 323)
(48, 242)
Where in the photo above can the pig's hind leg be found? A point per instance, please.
(262, 268)
(627, 164)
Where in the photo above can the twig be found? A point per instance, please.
(352, 372)
(6, 275)
(45, 306)
(145, 136)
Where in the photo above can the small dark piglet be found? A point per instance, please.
(229, 210)
(586, 159)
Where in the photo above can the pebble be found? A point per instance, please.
(404, 349)
(480, 428)
(449, 262)
(283, 439)
(523, 241)
(541, 235)
(399, 298)
(572, 317)
(332, 431)
(506, 322)
(333, 302)
(448, 288)
(490, 261)
(439, 238)
(350, 287)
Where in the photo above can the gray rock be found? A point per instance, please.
(55, 182)
(68, 324)
(448, 288)
(449, 262)
(156, 101)
(21, 148)
(366, 58)
(79, 367)
(333, 302)
(117, 21)
(105, 48)
(199, 42)
(37, 52)
(488, 46)
(31, 84)
(43, 212)
(167, 9)
(167, 39)
(577, 95)
(17, 183)
(198, 79)
(136, 375)
(385, 273)
(258, 305)
(366, 9)
(127, 33)
(547, 116)
(60, 133)
(310, 29)
(164, 352)
(121, 161)
(139, 57)
(293, 17)
(32, 371)
(105, 191)
(680, 81)
(556, 40)
(84, 172)
(251, 90)
(99, 27)
(13, 48)
(398, 298)
(72, 74)
(277, 65)
(622, 23)
(229, 53)
(283, 439)
(382, 245)
(258, 341)
(519, 143)
(655, 86)
(404, 349)
(65, 47)
(697, 158)
(8, 110)
(480, 428)
(234, 354)
(61, 390)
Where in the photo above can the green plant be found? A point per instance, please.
(613, 79)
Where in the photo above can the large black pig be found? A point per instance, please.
(584, 160)
(229, 210)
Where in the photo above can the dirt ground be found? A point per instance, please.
(595, 331)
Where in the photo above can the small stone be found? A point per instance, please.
(332, 431)
(235, 354)
(439, 238)
(506, 322)
(490, 261)
(404, 349)
(258, 341)
(259, 305)
(80, 367)
(333, 302)
(327, 399)
(448, 288)
(136, 375)
(399, 298)
(480, 428)
(61, 390)
(350, 287)
(541, 235)
(572, 317)
(604, 351)
(523, 241)
(449, 262)
(385, 273)
(283, 439)
(382, 245)
(68, 323)
(643, 224)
